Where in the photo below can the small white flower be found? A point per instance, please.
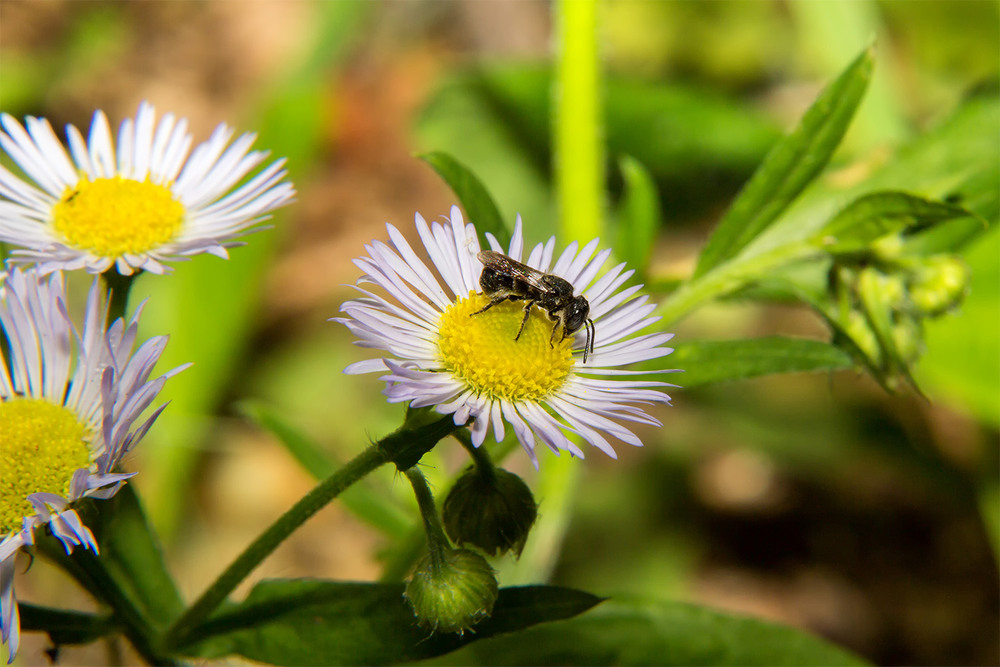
(136, 207)
(68, 402)
(446, 353)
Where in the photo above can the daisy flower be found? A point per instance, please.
(133, 208)
(68, 402)
(448, 352)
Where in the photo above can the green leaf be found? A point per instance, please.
(642, 632)
(312, 622)
(878, 214)
(479, 205)
(789, 166)
(63, 626)
(132, 553)
(638, 215)
(707, 362)
(373, 508)
(951, 163)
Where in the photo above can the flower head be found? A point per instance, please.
(136, 207)
(510, 362)
(68, 401)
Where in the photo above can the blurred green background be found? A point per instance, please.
(817, 501)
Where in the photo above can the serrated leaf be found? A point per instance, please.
(372, 508)
(636, 632)
(476, 200)
(313, 622)
(638, 215)
(878, 214)
(790, 165)
(708, 362)
(63, 626)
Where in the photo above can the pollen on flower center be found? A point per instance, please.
(480, 349)
(41, 445)
(116, 216)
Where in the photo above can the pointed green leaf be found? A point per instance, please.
(374, 509)
(132, 553)
(641, 632)
(790, 165)
(638, 215)
(874, 215)
(479, 205)
(708, 362)
(312, 622)
(64, 626)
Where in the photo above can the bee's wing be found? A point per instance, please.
(513, 268)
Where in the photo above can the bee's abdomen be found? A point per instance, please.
(494, 282)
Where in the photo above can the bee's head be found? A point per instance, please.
(576, 314)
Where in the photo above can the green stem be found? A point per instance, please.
(579, 176)
(727, 278)
(437, 542)
(370, 459)
(579, 147)
(481, 458)
(119, 287)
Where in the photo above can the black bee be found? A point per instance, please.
(506, 279)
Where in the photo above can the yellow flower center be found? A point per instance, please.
(41, 445)
(480, 349)
(112, 217)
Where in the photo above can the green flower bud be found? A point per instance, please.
(908, 337)
(492, 510)
(860, 331)
(452, 591)
(938, 284)
(893, 289)
(888, 248)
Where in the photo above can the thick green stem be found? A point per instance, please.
(370, 459)
(437, 542)
(579, 138)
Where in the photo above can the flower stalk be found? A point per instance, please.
(119, 287)
(367, 461)
(437, 542)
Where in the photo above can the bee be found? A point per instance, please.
(505, 279)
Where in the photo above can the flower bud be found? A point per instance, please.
(494, 511)
(860, 331)
(888, 247)
(452, 591)
(908, 337)
(938, 284)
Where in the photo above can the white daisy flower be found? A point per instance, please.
(149, 202)
(448, 352)
(68, 402)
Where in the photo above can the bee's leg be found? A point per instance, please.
(524, 320)
(591, 334)
(493, 302)
(552, 338)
